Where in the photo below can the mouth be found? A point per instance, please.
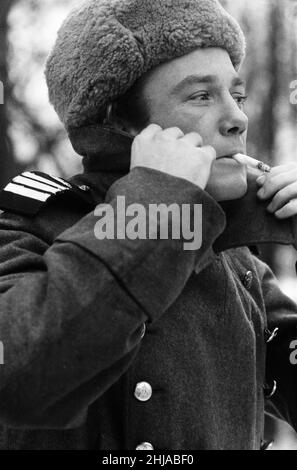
(231, 154)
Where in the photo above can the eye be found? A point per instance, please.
(202, 97)
(240, 99)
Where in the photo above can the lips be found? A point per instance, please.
(230, 154)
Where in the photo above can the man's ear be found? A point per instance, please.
(112, 119)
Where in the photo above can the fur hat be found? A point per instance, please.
(104, 46)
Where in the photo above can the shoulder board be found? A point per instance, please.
(28, 192)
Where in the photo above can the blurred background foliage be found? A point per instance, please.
(32, 137)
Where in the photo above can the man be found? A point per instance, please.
(141, 344)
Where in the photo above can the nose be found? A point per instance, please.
(234, 121)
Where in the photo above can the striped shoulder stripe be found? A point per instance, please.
(26, 192)
(19, 204)
(33, 184)
(68, 185)
(31, 176)
(53, 179)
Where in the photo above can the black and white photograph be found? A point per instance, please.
(148, 228)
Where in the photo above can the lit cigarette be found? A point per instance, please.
(251, 162)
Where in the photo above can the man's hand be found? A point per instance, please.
(280, 185)
(173, 152)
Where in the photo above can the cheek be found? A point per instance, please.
(193, 120)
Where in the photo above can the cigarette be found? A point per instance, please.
(251, 162)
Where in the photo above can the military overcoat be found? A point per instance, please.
(125, 344)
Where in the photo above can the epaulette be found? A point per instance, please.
(28, 192)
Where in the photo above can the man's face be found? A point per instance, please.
(202, 92)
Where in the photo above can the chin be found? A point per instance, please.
(228, 180)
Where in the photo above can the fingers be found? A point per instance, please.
(172, 152)
(275, 182)
(282, 197)
(193, 138)
(276, 170)
(288, 210)
(209, 151)
(173, 132)
(154, 129)
(280, 185)
(252, 165)
(151, 131)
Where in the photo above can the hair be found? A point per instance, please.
(132, 107)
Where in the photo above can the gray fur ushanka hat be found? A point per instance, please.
(104, 46)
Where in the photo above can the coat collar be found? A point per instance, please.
(103, 148)
(106, 159)
(249, 223)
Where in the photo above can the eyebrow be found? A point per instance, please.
(196, 79)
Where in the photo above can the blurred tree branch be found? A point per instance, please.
(8, 166)
(46, 138)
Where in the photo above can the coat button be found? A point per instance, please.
(269, 390)
(83, 187)
(143, 331)
(143, 391)
(248, 279)
(266, 445)
(270, 335)
(145, 446)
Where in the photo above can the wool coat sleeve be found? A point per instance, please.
(281, 364)
(72, 312)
